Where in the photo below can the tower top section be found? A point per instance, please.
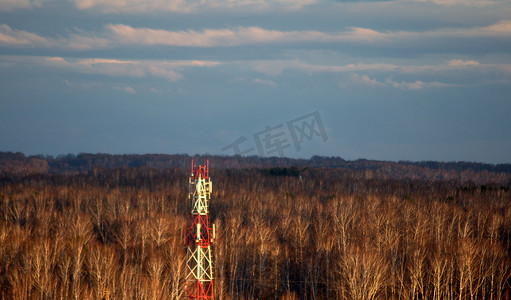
(200, 171)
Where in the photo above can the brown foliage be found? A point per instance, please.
(326, 234)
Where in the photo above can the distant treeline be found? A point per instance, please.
(18, 163)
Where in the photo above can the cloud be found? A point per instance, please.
(126, 34)
(111, 68)
(477, 3)
(264, 82)
(462, 63)
(192, 38)
(356, 79)
(416, 85)
(78, 40)
(192, 6)
(134, 6)
(117, 35)
(172, 71)
(88, 85)
(94, 61)
(10, 5)
(127, 89)
(500, 29)
(168, 70)
(456, 69)
(254, 81)
(162, 69)
(83, 41)
(95, 85)
(13, 37)
(276, 67)
(188, 6)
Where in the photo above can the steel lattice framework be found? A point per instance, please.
(200, 236)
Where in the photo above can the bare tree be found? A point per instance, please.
(365, 273)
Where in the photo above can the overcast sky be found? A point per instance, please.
(387, 80)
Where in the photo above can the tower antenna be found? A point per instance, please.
(200, 236)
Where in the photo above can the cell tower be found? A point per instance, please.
(200, 236)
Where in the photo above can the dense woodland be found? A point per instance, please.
(284, 231)
(479, 173)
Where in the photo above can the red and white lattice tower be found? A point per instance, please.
(200, 236)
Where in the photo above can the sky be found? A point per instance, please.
(385, 80)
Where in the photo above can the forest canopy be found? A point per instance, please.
(86, 226)
(18, 163)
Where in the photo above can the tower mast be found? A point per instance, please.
(200, 236)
